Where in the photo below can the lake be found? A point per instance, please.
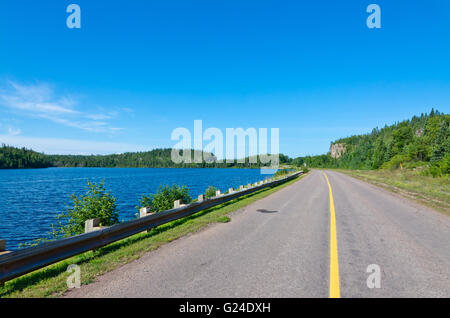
(31, 198)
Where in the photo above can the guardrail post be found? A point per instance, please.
(177, 204)
(2, 251)
(144, 212)
(3, 247)
(92, 225)
(201, 198)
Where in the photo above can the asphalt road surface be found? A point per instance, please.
(280, 247)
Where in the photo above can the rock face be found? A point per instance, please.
(337, 150)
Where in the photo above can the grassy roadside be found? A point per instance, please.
(433, 192)
(51, 281)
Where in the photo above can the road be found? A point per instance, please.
(280, 247)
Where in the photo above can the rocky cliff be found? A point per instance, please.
(337, 150)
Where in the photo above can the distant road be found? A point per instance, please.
(280, 247)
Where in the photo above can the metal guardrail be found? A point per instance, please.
(21, 262)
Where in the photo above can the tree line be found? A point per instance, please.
(21, 158)
(423, 141)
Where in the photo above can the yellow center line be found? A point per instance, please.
(334, 262)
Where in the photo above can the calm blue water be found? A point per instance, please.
(30, 199)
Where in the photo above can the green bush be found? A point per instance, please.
(164, 198)
(434, 171)
(97, 202)
(439, 169)
(395, 162)
(281, 173)
(445, 164)
(411, 165)
(210, 192)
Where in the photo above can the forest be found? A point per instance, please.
(419, 143)
(21, 158)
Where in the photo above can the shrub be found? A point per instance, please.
(415, 165)
(395, 162)
(439, 169)
(281, 173)
(97, 202)
(164, 198)
(445, 165)
(210, 192)
(435, 171)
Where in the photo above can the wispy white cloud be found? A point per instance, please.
(99, 116)
(14, 131)
(10, 130)
(41, 101)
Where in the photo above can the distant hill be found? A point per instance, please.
(19, 158)
(421, 140)
(16, 158)
(156, 158)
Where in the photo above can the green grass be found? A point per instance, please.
(224, 219)
(433, 192)
(51, 281)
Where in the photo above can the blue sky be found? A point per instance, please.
(136, 70)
